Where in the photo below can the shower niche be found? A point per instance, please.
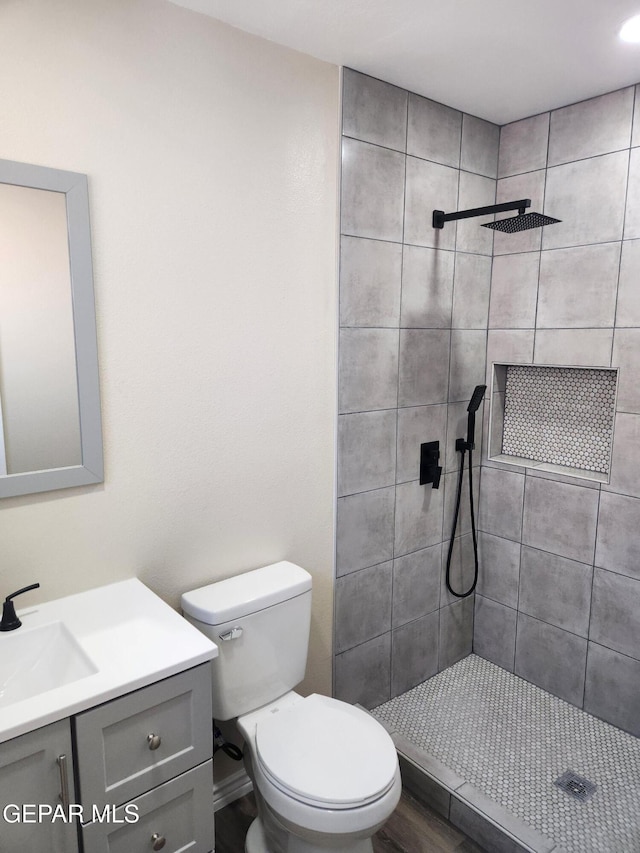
(553, 418)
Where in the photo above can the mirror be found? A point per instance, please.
(50, 427)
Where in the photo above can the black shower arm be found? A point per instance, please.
(440, 217)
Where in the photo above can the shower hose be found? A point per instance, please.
(463, 447)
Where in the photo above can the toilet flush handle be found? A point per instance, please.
(233, 634)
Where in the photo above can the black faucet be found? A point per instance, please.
(9, 619)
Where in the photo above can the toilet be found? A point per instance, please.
(325, 773)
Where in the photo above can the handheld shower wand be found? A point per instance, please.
(463, 447)
(472, 408)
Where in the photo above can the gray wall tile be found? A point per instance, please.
(628, 307)
(416, 584)
(414, 653)
(626, 346)
(618, 544)
(499, 574)
(430, 187)
(366, 451)
(612, 688)
(372, 191)
(370, 279)
(368, 370)
(600, 185)
(472, 284)
(456, 632)
(551, 658)
(416, 425)
(364, 530)
(374, 111)
(509, 347)
(434, 131)
(556, 590)
(514, 291)
(475, 191)
(560, 518)
(614, 616)
(587, 347)
(625, 463)
(363, 605)
(523, 145)
(363, 674)
(597, 126)
(427, 288)
(424, 366)
(480, 143)
(418, 520)
(635, 131)
(494, 632)
(501, 497)
(578, 287)
(632, 217)
(467, 367)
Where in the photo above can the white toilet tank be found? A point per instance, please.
(260, 622)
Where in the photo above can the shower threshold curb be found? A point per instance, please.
(465, 806)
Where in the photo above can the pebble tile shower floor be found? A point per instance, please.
(512, 740)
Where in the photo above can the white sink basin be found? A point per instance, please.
(76, 652)
(35, 660)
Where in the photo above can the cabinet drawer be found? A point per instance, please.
(180, 812)
(130, 745)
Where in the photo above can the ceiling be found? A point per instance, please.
(500, 60)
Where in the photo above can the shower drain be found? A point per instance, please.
(577, 786)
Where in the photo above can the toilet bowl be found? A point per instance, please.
(325, 773)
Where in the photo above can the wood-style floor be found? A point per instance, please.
(412, 828)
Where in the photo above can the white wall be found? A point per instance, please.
(212, 164)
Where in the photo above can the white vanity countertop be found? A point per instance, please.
(130, 635)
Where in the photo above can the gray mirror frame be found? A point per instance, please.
(75, 187)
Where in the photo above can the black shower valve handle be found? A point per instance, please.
(430, 471)
(10, 620)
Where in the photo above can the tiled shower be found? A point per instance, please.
(421, 313)
(424, 315)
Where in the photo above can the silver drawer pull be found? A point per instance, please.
(64, 781)
(154, 742)
(158, 841)
(233, 634)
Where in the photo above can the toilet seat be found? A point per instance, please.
(326, 753)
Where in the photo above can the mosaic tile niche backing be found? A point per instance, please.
(560, 415)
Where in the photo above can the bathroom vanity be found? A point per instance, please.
(120, 757)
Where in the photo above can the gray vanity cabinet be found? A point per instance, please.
(144, 764)
(36, 769)
(132, 775)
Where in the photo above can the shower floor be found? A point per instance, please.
(497, 743)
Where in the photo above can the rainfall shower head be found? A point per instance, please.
(522, 222)
(510, 225)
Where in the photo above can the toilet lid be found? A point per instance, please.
(326, 753)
